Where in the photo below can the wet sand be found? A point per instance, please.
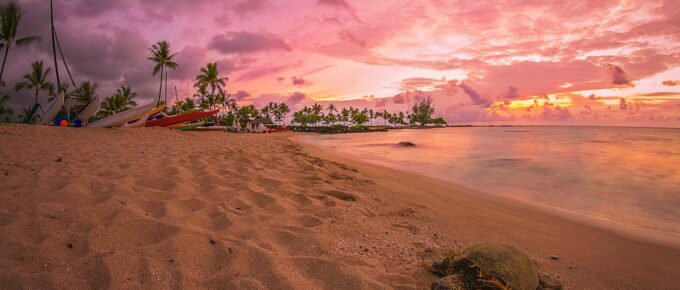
(158, 208)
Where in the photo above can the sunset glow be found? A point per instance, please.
(584, 56)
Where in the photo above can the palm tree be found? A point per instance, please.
(62, 88)
(317, 113)
(86, 91)
(10, 16)
(209, 77)
(120, 101)
(225, 100)
(161, 56)
(25, 112)
(3, 110)
(201, 93)
(281, 111)
(36, 80)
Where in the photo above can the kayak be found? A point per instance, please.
(142, 121)
(189, 127)
(135, 124)
(90, 109)
(177, 119)
(211, 128)
(123, 117)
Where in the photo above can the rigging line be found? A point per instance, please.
(63, 59)
(54, 49)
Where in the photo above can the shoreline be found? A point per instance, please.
(637, 233)
(160, 208)
(546, 224)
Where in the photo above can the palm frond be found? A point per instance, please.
(27, 40)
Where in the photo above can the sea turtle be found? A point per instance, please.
(486, 266)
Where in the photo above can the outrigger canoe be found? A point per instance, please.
(53, 110)
(177, 119)
(188, 127)
(142, 121)
(123, 117)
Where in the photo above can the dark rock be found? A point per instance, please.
(60, 159)
(406, 144)
(70, 246)
(554, 257)
(212, 242)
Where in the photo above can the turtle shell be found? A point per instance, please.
(490, 266)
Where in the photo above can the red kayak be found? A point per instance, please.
(172, 120)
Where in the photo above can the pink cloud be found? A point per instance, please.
(296, 97)
(299, 82)
(247, 42)
(241, 95)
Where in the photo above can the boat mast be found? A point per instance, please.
(54, 47)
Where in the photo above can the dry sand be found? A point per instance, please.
(158, 208)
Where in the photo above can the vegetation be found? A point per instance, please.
(120, 101)
(161, 56)
(35, 80)
(422, 112)
(7, 112)
(10, 17)
(313, 116)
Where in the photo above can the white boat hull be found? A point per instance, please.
(53, 110)
(123, 117)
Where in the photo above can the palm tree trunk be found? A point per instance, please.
(4, 59)
(37, 91)
(160, 88)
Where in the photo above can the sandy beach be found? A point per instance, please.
(159, 208)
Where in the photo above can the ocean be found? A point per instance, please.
(618, 178)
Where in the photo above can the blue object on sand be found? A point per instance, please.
(79, 123)
(57, 121)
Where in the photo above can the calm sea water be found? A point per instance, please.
(618, 178)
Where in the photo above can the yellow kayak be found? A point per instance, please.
(142, 121)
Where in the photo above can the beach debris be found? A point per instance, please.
(212, 242)
(69, 245)
(486, 266)
(59, 159)
(406, 144)
(554, 257)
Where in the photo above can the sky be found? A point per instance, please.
(503, 61)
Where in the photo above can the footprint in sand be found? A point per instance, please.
(301, 200)
(411, 228)
(191, 204)
(220, 221)
(341, 195)
(330, 275)
(167, 170)
(154, 208)
(260, 199)
(268, 182)
(299, 244)
(309, 221)
(101, 191)
(138, 232)
(97, 273)
(160, 183)
(327, 201)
